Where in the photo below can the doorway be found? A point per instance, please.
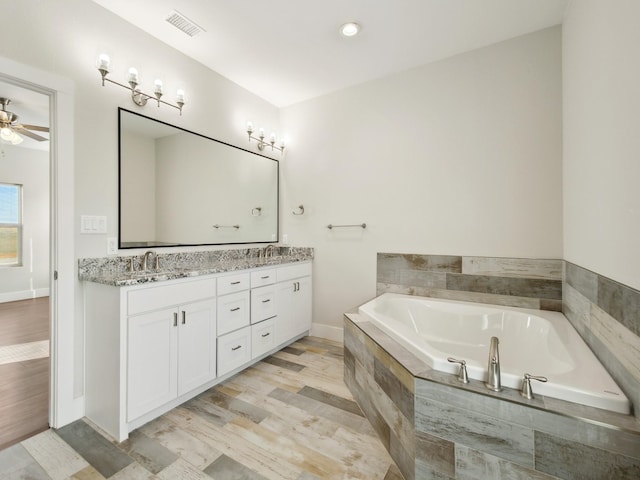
(25, 264)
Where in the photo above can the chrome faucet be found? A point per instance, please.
(493, 375)
(145, 260)
(267, 252)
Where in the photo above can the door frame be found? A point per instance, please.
(66, 404)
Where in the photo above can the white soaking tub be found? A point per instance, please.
(537, 342)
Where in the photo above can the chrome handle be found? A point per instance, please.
(175, 319)
(527, 391)
(235, 309)
(236, 348)
(266, 334)
(264, 278)
(266, 301)
(235, 283)
(462, 373)
(184, 317)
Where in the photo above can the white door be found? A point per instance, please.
(152, 361)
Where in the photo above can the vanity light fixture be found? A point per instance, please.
(262, 143)
(350, 29)
(138, 96)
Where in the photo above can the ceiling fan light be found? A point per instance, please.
(16, 140)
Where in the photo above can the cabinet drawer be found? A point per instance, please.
(263, 303)
(156, 298)
(263, 337)
(234, 350)
(233, 312)
(263, 277)
(233, 283)
(294, 271)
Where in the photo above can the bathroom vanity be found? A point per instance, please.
(157, 339)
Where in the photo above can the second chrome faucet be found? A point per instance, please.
(493, 375)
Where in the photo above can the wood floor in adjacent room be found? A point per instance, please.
(289, 416)
(24, 369)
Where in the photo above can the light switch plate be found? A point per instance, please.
(285, 238)
(112, 246)
(90, 224)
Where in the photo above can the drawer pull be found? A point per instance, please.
(235, 309)
(175, 319)
(236, 348)
(266, 301)
(235, 283)
(184, 317)
(266, 334)
(265, 277)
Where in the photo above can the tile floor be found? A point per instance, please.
(289, 416)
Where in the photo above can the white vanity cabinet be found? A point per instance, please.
(293, 298)
(152, 346)
(170, 352)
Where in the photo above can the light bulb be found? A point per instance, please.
(350, 29)
(249, 127)
(133, 75)
(6, 134)
(16, 140)
(103, 62)
(180, 96)
(157, 86)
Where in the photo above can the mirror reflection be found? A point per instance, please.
(181, 188)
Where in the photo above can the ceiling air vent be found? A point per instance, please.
(181, 22)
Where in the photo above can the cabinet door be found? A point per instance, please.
(152, 361)
(293, 298)
(196, 345)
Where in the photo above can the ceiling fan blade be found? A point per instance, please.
(35, 127)
(23, 131)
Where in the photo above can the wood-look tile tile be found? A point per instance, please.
(135, 471)
(226, 468)
(328, 346)
(87, 473)
(355, 422)
(230, 443)
(279, 362)
(182, 470)
(187, 446)
(293, 351)
(17, 464)
(94, 448)
(55, 455)
(393, 473)
(233, 405)
(149, 453)
(330, 399)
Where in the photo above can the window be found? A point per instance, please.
(10, 224)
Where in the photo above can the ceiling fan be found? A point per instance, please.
(9, 128)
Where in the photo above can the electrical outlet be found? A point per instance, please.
(285, 238)
(112, 246)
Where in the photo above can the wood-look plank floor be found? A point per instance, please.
(24, 385)
(289, 416)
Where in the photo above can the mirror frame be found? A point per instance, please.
(151, 245)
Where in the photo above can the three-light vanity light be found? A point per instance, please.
(138, 96)
(262, 143)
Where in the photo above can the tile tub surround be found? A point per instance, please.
(607, 316)
(516, 282)
(437, 428)
(114, 270)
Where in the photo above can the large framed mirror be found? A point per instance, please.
(180, 188)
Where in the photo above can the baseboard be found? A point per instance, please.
(23, 295)
(327, 331)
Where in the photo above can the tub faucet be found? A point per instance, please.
(493, 376)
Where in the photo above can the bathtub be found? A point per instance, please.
(537, 342)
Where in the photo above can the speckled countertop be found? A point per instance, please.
(115, 271)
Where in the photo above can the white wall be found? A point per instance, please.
(601, 83)
(65, 38)
(30, 168)
(459, 157)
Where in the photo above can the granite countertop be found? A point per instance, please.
(115, 270)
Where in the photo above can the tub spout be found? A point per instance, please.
(493, 375)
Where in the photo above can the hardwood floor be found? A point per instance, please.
(289, 416)
(24, 369)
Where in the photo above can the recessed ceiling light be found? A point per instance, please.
(350, 29)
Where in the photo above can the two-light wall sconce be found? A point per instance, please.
(262, 143)
(138, 96)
